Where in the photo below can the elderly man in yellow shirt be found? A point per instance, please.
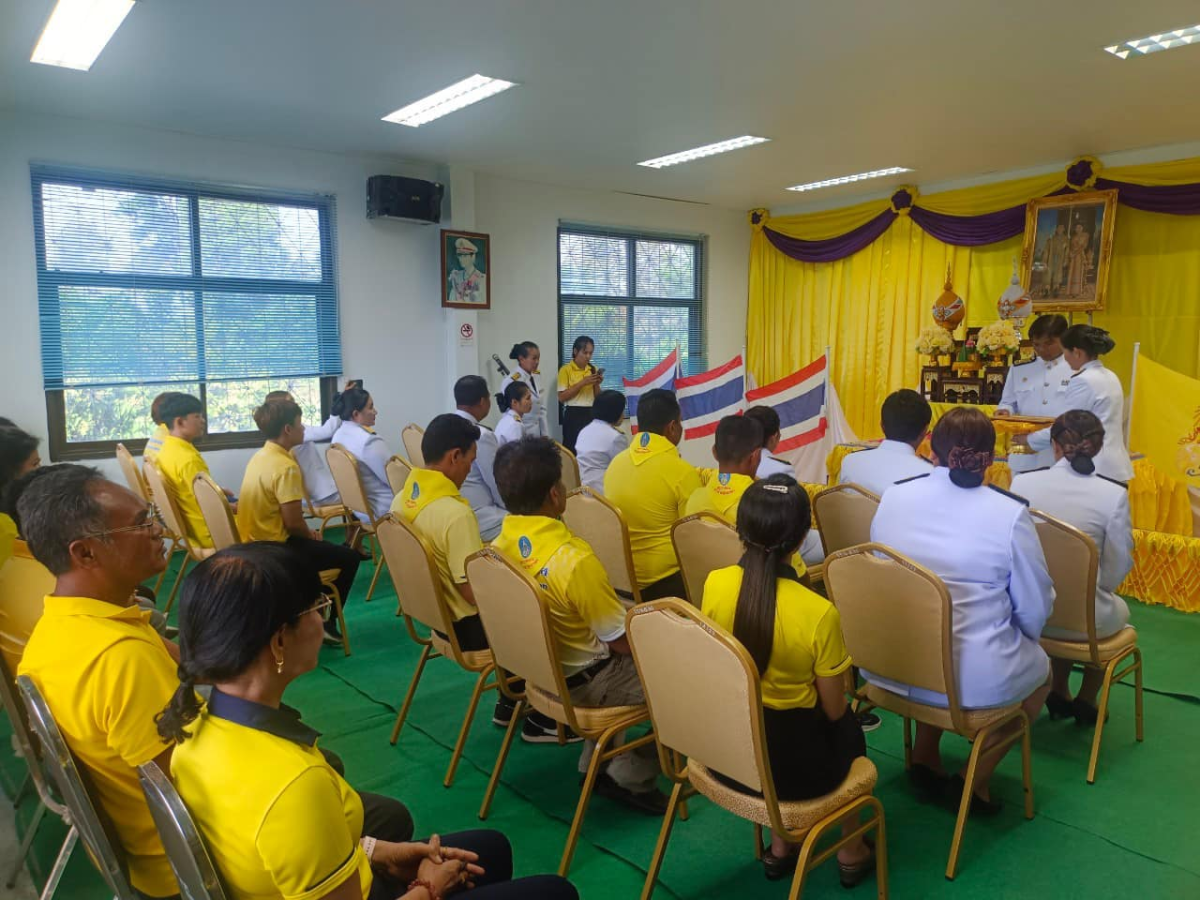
(180, 462)
(651, 484)
(103, 671)
(587, 618)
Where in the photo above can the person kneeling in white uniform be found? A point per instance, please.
(905, 419)
(601, 439)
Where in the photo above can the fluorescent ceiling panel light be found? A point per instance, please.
(448, 100)
(849, 179)
(77, 31)
(1168, 40)
(675, 159)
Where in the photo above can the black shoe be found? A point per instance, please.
(539, 729)
(853, 876)
(1059, 707)
(979, 807)
(652, 802)
(332, 639)
(170, 632)
(1085, 714)
(362, 554)
(504, 712)
(776, 868)
(930, 786)
(868, 721)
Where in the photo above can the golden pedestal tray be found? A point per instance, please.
(1012, 425)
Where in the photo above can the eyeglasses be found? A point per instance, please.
(324, 607)
(153, 518)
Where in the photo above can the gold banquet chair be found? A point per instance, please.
(344, 467)
(325, 512)
(712, 715)
(1074, 563)
(898, 623)
(168, 508)
(398, 470)
(422, 602)
(703, 542)
(523, 644)
(137, 484)
(570, 468)
(218, 516)
(597, 521)
(843, 514)
(411, 438)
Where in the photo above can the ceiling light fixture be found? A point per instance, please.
(1168, 40)
(848, 179)
(674, 159)
(77, 31)
(448, 100)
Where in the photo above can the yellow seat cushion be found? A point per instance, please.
(974, 719)
(797, 815)
(592, 720)
(472, 660)
(327, 512)
(1080, 652)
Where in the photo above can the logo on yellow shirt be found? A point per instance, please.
(412, 499)
(644, 441)
(525, 546)
(723, 478)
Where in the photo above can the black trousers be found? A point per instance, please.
(470, 633)
(671, 586)
(325, 555)
(574, 420)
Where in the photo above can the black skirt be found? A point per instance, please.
(809, 755)
(574, 420)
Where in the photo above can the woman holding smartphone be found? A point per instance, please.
(578, 384)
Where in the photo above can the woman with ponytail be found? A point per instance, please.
(1073, 491)
(356, 409)
(516, 403)
(528, 356)
(278, 819)
(981, 542)
(794, 637)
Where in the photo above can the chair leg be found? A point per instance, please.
(187, 559)
(26, 843)
(412, 690)
(501, 757)
(20, 794)
(380, 565)
(664, 834)
(677, 761)
(964, 804)
(758, 842)
(1027, 765)
(1137, 694)
(908, 743)
(881, 855)
(1101, 715)
(585, 794)
(341, 617)
(461, 743)
(60, 864)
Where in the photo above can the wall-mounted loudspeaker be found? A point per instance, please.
(407, 199)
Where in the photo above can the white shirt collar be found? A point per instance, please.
(898, 447)
(466, 415)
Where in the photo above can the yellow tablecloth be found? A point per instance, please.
(1166, 570)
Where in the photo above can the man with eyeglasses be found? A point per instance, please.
(102, 669)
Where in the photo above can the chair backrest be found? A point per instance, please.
(398, 470)
(24, 584)
(414, 574)
(27, 742)
(598, 522)
(186, 850)
(843, 514)
(93, 826)
(130, 470)
(517, 624)
(411, 438)
(704, 542)
(343, 466)
(218, 514)
(1074, 564)
(570, 468)
(164, 499)
(896, 618)
(710, 713)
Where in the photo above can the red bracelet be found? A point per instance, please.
(421, 882)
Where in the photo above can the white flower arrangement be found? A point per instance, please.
(998, 337)
(934, 341)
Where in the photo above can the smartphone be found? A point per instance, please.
(600, 372)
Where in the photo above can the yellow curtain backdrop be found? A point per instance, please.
(871, 306)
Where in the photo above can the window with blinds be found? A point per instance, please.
(637, 295)
(146, 286)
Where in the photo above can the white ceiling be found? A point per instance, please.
(951, 88)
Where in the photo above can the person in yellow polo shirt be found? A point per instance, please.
(103, 671)
(578, 383)
(587, 618)
(155, 441)
(651, 484)
(271, 504)
(794, 637)
(737, 449)
(180, 462)
(278, 820)
(18, 455)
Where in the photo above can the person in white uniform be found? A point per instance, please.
(515, 403)
(982, 543)
(356, 410)
(601, 439)
(1038, 387)
(904, 417)
(318, 480)
(474, 403)
(528, 357)
(1071, 490)
(1098, 390)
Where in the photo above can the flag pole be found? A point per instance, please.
(1137, 349)
(828, 366)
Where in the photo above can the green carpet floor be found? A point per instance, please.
(1132, 834)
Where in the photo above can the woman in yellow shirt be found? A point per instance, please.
(18, 455)
(578, 384)
(794, 637)
(279, 821)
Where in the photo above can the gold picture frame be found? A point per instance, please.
(1068, 250)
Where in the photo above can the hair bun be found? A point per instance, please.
(515, 352)
(964, 479)
(1083, 464)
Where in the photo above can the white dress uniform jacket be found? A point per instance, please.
(1036, 388)
(510, 427)
(372, 454)
(318, 481)
(773, 465)
(480, 486)
(595, 448)
(812, 551)
(1099, 507)
(1098, 390)
(982, 543)
(879, 469)
(535, 421)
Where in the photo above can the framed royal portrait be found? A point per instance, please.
(1068, 249)
(466, 270)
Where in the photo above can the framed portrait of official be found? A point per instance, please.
(1068, 249)
(466, 270)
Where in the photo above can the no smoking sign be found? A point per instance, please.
(466, 334)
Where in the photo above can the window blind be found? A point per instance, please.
(156, 282)
(638, 295)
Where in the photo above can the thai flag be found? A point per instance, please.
(661, 376)
(800, 401)
(707, 398)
